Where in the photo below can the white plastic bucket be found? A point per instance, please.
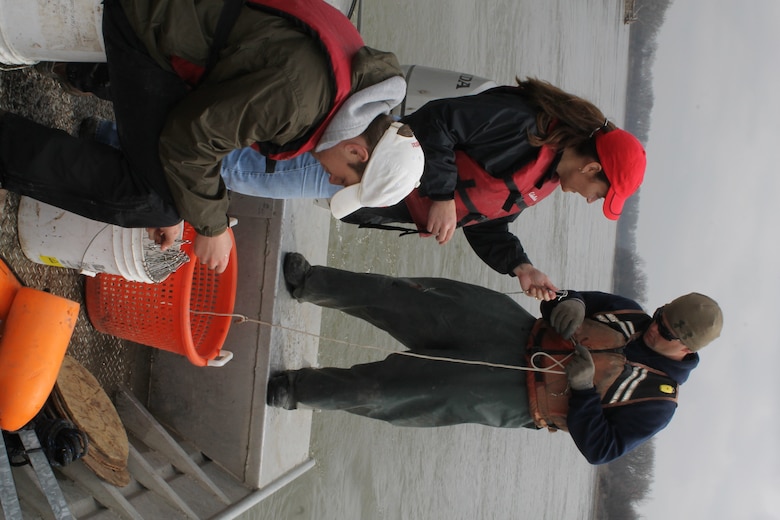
(52, 236)
(428, 83)
(46, 30)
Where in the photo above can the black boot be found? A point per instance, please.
(279, 392)
(295, 268)
(78, 79)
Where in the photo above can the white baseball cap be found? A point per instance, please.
(392, 172)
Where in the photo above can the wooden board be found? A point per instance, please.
(87, 406)
(119, 477)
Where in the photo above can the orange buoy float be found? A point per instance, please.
(9, 285)
(38, 327)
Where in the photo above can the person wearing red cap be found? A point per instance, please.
(493, 154)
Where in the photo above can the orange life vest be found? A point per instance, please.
(480, 196)
(617, 380)
(339, 38)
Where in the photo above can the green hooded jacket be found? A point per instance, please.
(270, 84)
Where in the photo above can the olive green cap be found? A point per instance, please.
(694, 318)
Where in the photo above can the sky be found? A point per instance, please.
(709, 219)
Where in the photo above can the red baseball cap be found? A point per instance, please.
(623, 160)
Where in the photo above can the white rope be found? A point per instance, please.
(244, 319)
(555, 362)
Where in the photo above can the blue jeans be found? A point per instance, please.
(301, 177)
(244, 171)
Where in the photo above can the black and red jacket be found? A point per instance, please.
(491, 130)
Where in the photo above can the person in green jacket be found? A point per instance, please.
(285, 76)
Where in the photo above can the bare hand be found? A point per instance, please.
(535, 283)
(213, 252)
(165, 236)
(442, 220)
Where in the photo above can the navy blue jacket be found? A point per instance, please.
(604, 434)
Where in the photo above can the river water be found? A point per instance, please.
(369, 470)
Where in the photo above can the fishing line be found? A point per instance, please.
(245, 319)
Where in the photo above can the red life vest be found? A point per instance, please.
(617, 380)
(338, 37)
(480, 197)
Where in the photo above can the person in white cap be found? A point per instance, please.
(391, 173)
(191, 84)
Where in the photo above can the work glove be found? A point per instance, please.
(580, 369)
(567, 316)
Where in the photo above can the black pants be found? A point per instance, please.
(127, 187)
(431, 316)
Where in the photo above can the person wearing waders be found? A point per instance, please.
(594, 364)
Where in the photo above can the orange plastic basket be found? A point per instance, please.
(167, 315)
